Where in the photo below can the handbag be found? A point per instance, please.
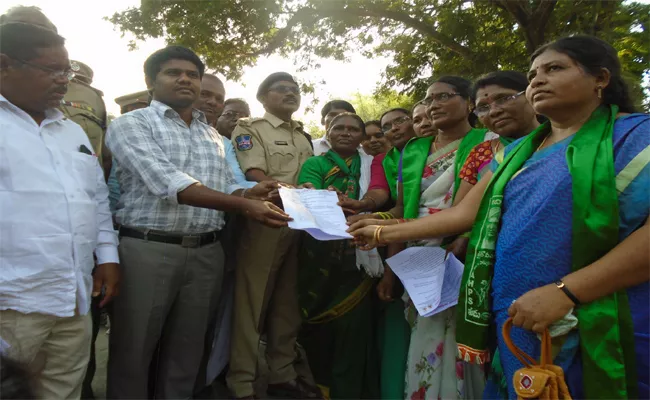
(536, 381)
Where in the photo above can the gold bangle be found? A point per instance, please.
(385, 215)
(379, 229)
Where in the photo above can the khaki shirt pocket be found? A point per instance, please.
(282, 159)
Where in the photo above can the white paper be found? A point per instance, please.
(315, 211)
(431, 281)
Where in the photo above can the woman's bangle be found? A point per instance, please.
(385, 215)
(377, 234)
(243, 193)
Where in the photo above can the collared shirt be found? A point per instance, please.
(321, 146)
(231, 158)
(53, 214)
(158, 155)
(276, 147)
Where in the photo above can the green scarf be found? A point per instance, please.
(414, 158)
(391, 164)
(605, 324)
(345, 174)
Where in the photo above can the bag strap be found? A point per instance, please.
(525, 359)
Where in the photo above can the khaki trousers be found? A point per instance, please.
(54, 349)
(265, 301)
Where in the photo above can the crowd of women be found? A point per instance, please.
(547, 204)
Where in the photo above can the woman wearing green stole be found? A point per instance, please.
(502, 108)
(427, 175)
(336, 296)
(561, 232)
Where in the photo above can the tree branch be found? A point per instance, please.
(308, 15)
(543, 11)
(420, 26)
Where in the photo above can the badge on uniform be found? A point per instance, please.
(244, 142)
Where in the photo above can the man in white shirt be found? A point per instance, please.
(54, 216)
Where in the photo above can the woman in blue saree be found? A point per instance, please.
(560, 231)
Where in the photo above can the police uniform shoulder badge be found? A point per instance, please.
(244, 142)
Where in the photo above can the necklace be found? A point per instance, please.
(435, 147)
(543, 142)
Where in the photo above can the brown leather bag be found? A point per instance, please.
(537, 381)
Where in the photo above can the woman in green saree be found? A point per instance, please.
(335, 295)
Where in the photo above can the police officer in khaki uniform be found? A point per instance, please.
(133, 101)
(84, 105)
(273, 147)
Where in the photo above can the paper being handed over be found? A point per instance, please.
(315, 211)
(431, 281)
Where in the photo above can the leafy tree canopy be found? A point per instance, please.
(423, 37)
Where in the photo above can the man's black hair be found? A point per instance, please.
(154, 62)
(238, 101)
(341, 104)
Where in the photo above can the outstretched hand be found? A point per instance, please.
(267, 213)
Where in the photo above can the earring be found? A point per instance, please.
(600, 92)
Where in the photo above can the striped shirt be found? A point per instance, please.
(158, 156)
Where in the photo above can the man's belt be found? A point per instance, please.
(197, 240)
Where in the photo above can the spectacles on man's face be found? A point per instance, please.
(484, 109)
(282, 89)
(396, 123)
(233, 115)
(68, 73)
(439, 98)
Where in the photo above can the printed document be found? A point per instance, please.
(316, 212)
(431, 280)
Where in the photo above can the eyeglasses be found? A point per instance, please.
(68, 73)
(285, 89)
(484, 109)
(438, 98)
(396, 123)
(233, 115)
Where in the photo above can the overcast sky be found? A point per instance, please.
(118, 71)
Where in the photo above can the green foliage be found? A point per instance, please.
(371, 107)
(423, 37)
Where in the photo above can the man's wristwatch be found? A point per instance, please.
(566, 291)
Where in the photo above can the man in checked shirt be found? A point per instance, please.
(176, 185)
